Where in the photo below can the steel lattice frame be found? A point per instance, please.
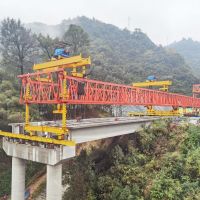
(85, 91)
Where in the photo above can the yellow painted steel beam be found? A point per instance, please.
(64, 106)
(54, 63)
(44, 80)
(83, 63)
(163, 113)
(57, 111)
(74, 61)
(155, 113)
(131, 114)
(152, 83)
(49, 129)
(38, 139)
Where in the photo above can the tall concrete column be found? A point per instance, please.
(18, 179)
(54, 182)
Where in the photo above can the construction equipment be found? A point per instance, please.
(75, 65)
(59, 68)
(150, 83)
(58, 82)
(96, 92)
(68, 65)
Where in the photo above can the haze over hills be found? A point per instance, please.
(125, 57)
(190, 50)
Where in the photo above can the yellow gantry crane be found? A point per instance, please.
(151, 82)
(164, 84)
(74, 66)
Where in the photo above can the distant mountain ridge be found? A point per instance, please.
(190, 50)
(124, 57)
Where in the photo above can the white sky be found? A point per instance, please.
(163, 20)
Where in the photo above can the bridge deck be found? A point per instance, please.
(95, 128)
(82, 131)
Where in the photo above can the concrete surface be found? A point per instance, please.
(18, 179)
(54, 182)
(38, 154)
(95, 128)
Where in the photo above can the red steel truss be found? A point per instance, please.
(46, 88)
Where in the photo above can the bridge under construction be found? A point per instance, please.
(61, 82)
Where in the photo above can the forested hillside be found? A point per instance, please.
(190, 50)
(10, 109)
(123, 56)
(159, 163)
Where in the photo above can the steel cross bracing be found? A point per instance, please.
(85, 91)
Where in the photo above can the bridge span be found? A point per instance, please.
(62, 82)
(81, 131)
(91, 129)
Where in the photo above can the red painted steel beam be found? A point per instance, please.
(85, 91)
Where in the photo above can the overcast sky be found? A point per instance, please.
(163, 20)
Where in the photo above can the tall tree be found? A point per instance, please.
(18, 45)
(47, 45)
(78, 38)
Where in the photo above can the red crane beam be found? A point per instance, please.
(46, 88)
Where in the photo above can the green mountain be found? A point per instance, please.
(190, 50)
(125, 57)
(160, 162)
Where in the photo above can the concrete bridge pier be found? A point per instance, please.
(18, 179)
(54, 182)
(52, 158)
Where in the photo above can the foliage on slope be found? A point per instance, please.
(10, 109)
(190, 51)
(161, 162)
(125, 57)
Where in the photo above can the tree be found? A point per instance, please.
(78, 38)
(47, 45)
(18, 44)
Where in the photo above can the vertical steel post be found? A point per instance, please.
(27, 114)
(64, 106)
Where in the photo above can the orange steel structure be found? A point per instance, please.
(64, 81)
(85, 91)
